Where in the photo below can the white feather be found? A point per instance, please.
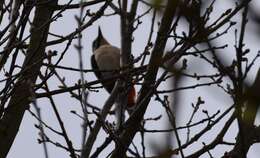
(107, 58)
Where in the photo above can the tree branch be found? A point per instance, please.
(11, 120)
(156, 57)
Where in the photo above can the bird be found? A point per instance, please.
(105, 58)
(105, 62)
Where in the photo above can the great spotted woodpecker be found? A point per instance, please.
(106, 59)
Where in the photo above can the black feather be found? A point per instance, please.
(95, 67)
(108, 85)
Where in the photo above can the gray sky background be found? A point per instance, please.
(26, 144)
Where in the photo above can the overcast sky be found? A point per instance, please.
(26, 144)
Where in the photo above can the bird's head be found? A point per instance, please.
(99, 41)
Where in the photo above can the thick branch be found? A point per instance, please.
(10, 123)
(93, 135)
(156, 57)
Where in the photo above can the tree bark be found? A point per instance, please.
(156, 58)
(20, 99)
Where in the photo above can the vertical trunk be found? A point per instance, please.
(150, 78)
(20, 99)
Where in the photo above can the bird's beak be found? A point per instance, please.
(99, 32)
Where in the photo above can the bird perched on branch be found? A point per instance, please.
(106, 60)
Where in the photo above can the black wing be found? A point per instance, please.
(95, 67)
(108, 85)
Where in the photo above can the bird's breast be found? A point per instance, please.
(108, 58)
